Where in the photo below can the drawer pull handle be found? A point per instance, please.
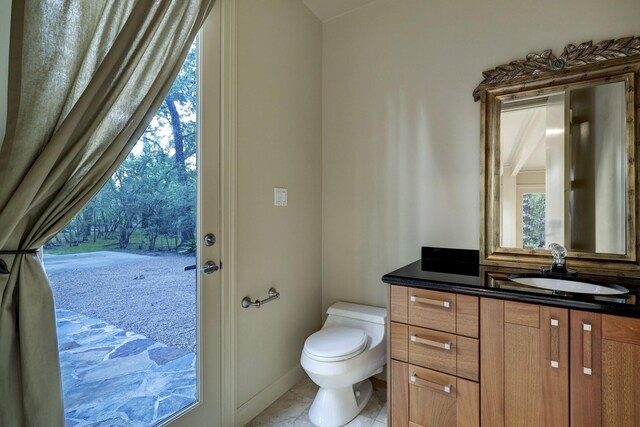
(435, 386)
(429, 301)
(586, 348)
(443, 345)
(555, 343)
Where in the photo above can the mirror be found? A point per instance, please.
(563, 169)
(559, 149)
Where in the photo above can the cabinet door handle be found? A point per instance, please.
(430, 301)
(428, 384)
(586, 348)
(431, 343)
(555, 343)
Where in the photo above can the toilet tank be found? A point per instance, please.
(364, 313)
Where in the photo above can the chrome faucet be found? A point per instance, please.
(558, 266)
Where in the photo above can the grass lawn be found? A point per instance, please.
(135, 243)
(97, 246)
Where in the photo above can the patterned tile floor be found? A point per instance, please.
(112, 377)
(292, 409)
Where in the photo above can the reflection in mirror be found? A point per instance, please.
(563, 169)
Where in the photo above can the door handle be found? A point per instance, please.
(208, 268)
(555, 343)
(586, 348)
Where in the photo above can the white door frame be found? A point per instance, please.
(228, 187)
(217, 119)
(216, 170)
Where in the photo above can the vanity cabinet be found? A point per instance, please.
(434, 358)
(557, 367)
(459, 360)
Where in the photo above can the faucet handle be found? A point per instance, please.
(558, 252)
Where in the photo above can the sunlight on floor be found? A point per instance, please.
(292, 409)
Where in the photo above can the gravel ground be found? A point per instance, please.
(156, 298)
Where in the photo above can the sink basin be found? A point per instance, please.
(570, 285)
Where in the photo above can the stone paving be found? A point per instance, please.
(112, 377)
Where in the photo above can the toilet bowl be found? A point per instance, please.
(340, 357)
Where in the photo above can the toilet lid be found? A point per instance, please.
(335, 343)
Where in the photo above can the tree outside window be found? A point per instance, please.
(533, 220)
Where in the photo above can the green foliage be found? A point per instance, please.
(57, 247)
(533, 220)
(54, 248)
(153, 193)
(187, 247)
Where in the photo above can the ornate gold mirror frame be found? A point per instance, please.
(540, 74)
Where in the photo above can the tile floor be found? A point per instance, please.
(292, 409)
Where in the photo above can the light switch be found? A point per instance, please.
(280, 196)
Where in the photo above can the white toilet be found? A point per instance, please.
(350, 348)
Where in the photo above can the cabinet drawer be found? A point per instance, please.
(437, 399)
(444, 311)
(444, 352)
(432, 309)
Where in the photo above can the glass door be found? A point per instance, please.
(135, 282)
(207, 412)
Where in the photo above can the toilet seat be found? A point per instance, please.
(335, 344)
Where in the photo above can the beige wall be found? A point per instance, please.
(401, 133)
(279, 145)
(5, 21)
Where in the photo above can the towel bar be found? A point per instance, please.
(273, 295)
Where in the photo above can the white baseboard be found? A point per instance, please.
(266, 397)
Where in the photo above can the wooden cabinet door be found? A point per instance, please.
(620, 371)
(524, 359)
(586, 369)
(605, 370)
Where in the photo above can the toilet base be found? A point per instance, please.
(337, 406)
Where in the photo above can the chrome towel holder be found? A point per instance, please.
(273, 295)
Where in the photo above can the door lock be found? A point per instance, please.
(209, 239)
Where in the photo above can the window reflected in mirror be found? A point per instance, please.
(563, 169)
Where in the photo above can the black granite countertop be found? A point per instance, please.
(458, 271)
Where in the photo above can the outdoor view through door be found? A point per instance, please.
(126, 308)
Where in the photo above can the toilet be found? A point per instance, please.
(340, 357)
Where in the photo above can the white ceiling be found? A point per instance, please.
(326, 10)
(522, 134)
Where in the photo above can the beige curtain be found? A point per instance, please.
(85, 78)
